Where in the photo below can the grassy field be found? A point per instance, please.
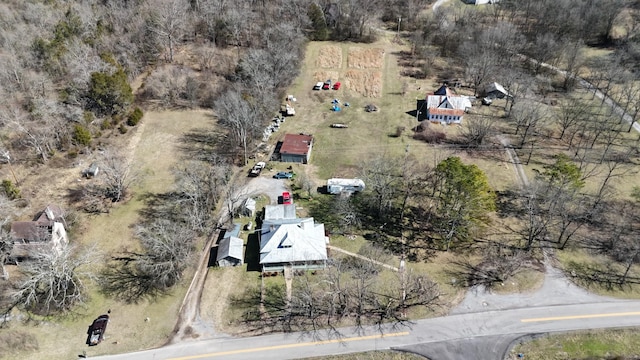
(597, 344)
(153, 152)
(372, 355)
(340, 152)
(580, 256)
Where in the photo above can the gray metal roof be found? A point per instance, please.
(292, 242)
(275, 212)
(230, 247)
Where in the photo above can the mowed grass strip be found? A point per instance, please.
(597, 344)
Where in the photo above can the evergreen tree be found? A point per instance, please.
(316, 15)
(463, 200)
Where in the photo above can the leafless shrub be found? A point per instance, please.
(54, 281)
(427, 134)
(496, 266)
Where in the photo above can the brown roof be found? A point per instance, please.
(29, 231)
(296, 144)
(443, 111)
(49, 214)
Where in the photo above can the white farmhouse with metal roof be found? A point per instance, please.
(287, 241)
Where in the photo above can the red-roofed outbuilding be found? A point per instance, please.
(296, 148)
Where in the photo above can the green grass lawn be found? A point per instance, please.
(596, 344)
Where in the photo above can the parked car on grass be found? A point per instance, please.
(318, 85)
(97, 329)
(283, 175)
(336, 86)
(327, 85)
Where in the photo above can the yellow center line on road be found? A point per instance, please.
(574, 317)
(289, 346)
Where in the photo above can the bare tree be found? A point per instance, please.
(630, 101)
(200, 186)
(604, 73)
(349, 289)
(166, 248)
(497, 265)
(348, 217)
(527, 117)
(53, 280)
(117, 176)
(167, 21)
(241, 116)
(476, 131)
(573, 61)
(381, 177)
(569, 115)
(544, 50)
(481, 59)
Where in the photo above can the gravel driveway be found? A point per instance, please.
(267, 185)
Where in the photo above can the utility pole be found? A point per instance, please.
(399, 20)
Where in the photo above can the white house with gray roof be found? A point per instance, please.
(291, 241)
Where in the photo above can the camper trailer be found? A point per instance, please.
(338, 186)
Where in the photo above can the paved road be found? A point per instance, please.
(425, 336)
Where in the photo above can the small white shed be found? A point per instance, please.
(338, 186)
(249, 208)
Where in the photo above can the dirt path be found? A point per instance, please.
(521, 176)
(331, 247)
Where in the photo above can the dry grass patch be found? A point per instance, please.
(324, 75)
(372, 355)
(364, 58)
(365, 83)
(594, 344)
(329, 57)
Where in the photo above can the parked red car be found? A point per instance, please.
(286, 198)
(336, 86)
(327, 85)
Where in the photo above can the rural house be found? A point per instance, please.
(296, 148)
(445, 107)
(45, 233)
(286, 240)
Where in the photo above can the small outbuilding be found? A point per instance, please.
(249, 208)
(230, 251)
(496, 91)
(296, 148)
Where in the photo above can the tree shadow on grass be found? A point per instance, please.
(204, 144)
(164, 206)
(122, 280)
